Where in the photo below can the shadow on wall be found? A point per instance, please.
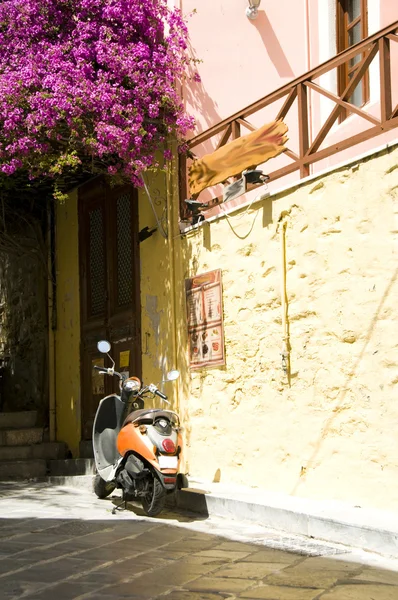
(163, 298)
(197, 97)
(189, 257)
(272, 45)
(329, 423)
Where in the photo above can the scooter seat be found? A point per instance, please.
(147, 416)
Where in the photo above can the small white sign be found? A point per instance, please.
(168, 462)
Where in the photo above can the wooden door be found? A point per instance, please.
(109, 289)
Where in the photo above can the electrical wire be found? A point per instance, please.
(158, 222)
(238, 217)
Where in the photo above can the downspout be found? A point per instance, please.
(173, 290)
(284, 304)
(52, 318)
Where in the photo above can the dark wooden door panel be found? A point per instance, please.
(110, 294)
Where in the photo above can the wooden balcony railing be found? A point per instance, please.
(309, 143)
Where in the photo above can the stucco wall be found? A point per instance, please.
(156, 309)
(157, 290)
(67, 334)
(331, 433)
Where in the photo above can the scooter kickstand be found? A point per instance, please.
(118, 506)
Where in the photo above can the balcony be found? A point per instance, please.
(322, 124)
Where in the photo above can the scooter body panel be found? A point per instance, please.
(107, 423)
(131, 439)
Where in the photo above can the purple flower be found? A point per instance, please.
(89, 82)
(168, 155)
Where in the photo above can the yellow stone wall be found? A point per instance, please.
(67, 334)
(156, 310)
(331, 433)
(157, 289)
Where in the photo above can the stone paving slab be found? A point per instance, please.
(58, 544)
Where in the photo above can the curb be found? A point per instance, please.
(365, 529)
(370, 530)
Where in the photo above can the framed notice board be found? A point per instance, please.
(205, 320)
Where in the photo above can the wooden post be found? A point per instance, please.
(385, 79)
(303, 127)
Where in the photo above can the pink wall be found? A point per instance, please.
(245, 60)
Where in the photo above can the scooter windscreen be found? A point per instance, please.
(107, 424)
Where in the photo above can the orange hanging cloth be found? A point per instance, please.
(230, 160)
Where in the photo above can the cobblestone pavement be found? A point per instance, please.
(62, 544)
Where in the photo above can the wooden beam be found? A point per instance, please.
(393, 37)
(287, 104)
(292, 154)
(315, 73)
(363, 65)
(246, 124)
(385, 79)
(303, 126)
(353, 140)
(183, 186)
(343, 145)
(284, 171)
(225, 137)
(235, 130)
(347, 105)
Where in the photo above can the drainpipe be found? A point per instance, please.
(285, 323)
(170, 240)
(52, 324)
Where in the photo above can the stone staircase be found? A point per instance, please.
(26, 453)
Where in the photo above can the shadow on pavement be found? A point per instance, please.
(44, 557)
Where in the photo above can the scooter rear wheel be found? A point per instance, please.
(154, 500)
(102, 488)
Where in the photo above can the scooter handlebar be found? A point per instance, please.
(107, 371)
(161, 395)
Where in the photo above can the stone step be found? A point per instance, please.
(18, 420)
(46, 451)
(71, 467)
(86, 449)
(22, 469)
(21, 437)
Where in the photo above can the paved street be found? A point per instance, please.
(63, 544)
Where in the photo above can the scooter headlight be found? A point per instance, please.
(131, 385)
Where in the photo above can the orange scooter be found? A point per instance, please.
(136, 449)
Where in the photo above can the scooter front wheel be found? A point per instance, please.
(102, 488)
(154, 500)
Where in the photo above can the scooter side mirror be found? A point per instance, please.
(172, 375)
(104, 346)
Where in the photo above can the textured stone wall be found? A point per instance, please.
(23, 320)
(67, 335)
(331, 433)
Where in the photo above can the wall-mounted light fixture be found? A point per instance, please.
(252, 9)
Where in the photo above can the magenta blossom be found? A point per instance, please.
(89, 85)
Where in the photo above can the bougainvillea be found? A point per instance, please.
(89, 85)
